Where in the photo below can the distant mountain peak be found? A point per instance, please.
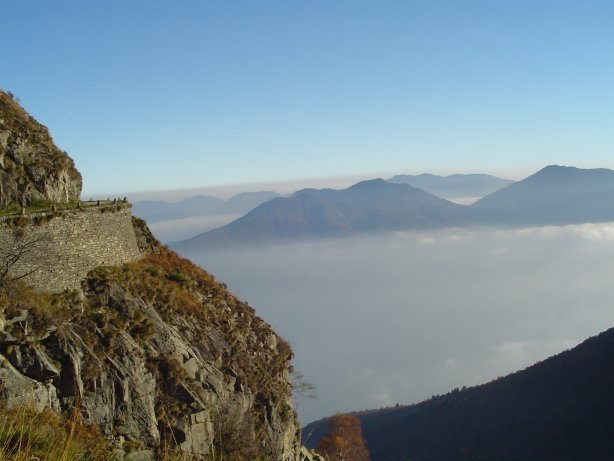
(370, 183)
(557, 169)
(555, 195)
(561, 170)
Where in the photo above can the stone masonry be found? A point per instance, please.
(64, 246)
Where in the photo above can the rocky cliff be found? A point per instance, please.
(153, 353)
(159, 356)
(32, 168)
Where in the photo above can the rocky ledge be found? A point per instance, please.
(32, 168)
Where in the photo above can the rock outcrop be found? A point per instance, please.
(154, 352)
(159, 356)
(32, 168)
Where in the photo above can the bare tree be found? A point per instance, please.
(20, 255)
(302, 387)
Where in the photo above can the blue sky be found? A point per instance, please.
(150, 95)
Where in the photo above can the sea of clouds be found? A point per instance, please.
(380, 320)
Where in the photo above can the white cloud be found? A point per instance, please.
(375, 321)
(598, 232)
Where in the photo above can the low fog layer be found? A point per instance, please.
(384, 320)
(180, 229)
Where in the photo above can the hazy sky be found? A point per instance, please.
(181, 94)
(376, 321)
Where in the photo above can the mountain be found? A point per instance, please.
(200, 205)
(280, 219)
(246, 201)
(559, 409)
(367, 206)
(146, 209)
(379, 205)
(555, 195)
(454, 186)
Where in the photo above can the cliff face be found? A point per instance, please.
(152, 351)
(159, 356)
(32, 168)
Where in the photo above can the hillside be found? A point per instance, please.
(32, 168)
(131, 346)
(157, 353)
(558, 409)
(455, 185)
(555, 195)
(368, 206)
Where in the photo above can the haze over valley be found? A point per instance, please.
(414, 294)
(376, 321)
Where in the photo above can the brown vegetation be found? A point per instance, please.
(225, 330)
(27, 436)
(344, 441)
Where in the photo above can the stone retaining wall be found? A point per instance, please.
(62, 247)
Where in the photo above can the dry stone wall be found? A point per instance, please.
(62, 247)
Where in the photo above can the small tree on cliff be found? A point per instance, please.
(344, 441)
(20, 252)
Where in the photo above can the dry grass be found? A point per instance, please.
(29, 436)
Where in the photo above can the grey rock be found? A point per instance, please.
(33, 362)
(33, 167)
(119, 391)
(18, 390)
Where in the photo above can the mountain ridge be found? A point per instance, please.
(200, 205)
(557, 409)
(368, 206)
(555, 195)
